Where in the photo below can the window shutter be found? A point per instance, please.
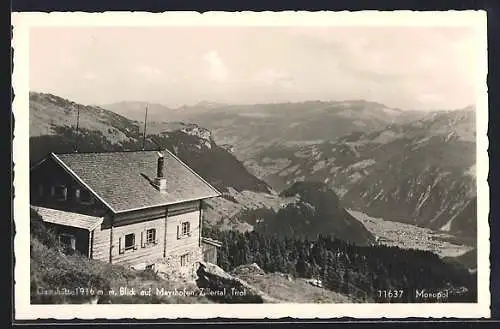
(120, 246)
(142, 240)
(178, 235)
(64, 193)
(73, 243)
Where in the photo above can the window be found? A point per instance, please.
(68, 241)
(59, 192)
(186, 229)
(40, 190)
(151, 236)
(129, 241)
(184, 260)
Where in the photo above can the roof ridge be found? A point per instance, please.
(104, 152)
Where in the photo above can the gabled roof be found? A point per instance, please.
(66, 218)
(123, 180)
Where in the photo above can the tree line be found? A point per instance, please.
(366, 273)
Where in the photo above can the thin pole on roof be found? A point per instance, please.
(144, 133)
(77, 127)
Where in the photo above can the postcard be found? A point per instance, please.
(247, 165)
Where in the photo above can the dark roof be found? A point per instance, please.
(122, 180)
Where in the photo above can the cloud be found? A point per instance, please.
(272, 77)
(217, 69)
(410, 67)
(405, 67)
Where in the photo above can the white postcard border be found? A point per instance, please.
(22, 22)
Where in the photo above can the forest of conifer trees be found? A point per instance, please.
(362, 272)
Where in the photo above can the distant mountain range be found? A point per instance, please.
(421, 172)
(103, 130)
(136, 110)
(409, 166)
(251, 128)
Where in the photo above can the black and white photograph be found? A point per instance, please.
(245, 159)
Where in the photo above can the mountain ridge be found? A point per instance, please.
(191, 143)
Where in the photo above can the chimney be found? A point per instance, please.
(160, 180)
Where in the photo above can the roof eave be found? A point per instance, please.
(168, 204)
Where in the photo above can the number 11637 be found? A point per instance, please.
(390, 293)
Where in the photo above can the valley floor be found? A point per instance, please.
(409, 236)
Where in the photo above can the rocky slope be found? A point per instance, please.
(422, 172)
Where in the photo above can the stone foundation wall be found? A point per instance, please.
(170, 266)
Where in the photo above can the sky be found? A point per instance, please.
(422, 68)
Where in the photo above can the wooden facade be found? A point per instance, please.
(210, 250)
(139, 237)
